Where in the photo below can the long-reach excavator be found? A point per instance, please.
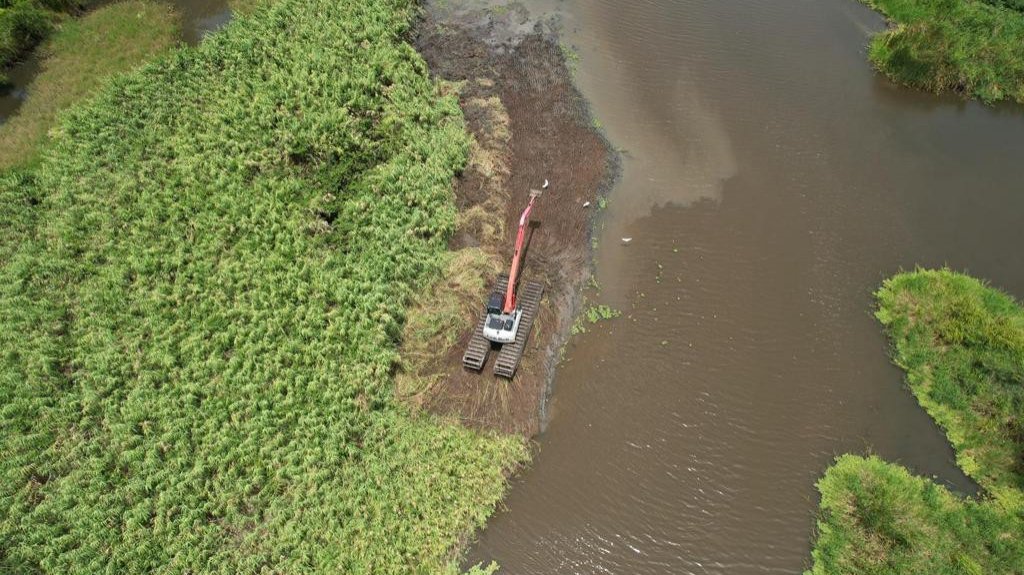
(508, 318)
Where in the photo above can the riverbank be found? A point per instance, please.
(529, 124)
(969, 47)
(962, 346)
(80, 56)
(26, 23)
(200, 322)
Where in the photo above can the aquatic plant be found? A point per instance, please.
(202, 284)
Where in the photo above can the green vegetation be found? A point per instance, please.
(203, 281)
(878, 519)
(25, 23)
(962, 345)
(966, 46)
(594, 314)
(78, 58)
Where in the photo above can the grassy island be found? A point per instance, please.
(962, 346)
(203, 283)
(972, 47)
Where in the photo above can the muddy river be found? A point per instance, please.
(771, 180)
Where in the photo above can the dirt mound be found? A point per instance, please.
(530, 125)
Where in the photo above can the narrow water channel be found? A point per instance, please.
(198, 18)
(771, 181)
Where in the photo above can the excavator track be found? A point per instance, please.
(511, 353)
(478, 348)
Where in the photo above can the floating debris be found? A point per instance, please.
(545, 186)
(586, 204)
(626, 240)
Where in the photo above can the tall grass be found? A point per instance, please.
(965, 46)
(202, 285)
(962, 346)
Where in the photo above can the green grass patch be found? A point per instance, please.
(966, 46)
(78, 58)
(878, 519)
(203, 282)
(962, 346)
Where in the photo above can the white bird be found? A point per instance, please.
(626, 240)
(586, 204)
(545, 186)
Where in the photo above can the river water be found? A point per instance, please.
(771, 180)
(198, 18)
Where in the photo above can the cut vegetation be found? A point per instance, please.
(962, 345)
(79, 57)
(966, 46)
(203, 281)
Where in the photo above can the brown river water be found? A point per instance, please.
(771, 180)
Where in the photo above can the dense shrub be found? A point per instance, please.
(201, 285)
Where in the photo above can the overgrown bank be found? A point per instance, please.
(25, 23)
(971, 47)
(962, 345)
(202, 285)
(79, 57)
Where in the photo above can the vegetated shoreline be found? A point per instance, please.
(159, 242)
(962, 345)
(971, 47)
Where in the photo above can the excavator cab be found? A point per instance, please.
(494, 303)
(501, 327)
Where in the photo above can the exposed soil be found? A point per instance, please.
(543, 132)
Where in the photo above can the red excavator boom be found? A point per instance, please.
(513, 275)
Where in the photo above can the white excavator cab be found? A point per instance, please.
(501, 327)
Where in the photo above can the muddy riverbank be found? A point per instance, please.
(771, 180)
(530, 125)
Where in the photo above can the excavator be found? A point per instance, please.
(508, 316)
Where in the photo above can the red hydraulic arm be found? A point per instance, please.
(524, 222)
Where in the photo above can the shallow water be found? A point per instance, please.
(771, 181)
(198, 18)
